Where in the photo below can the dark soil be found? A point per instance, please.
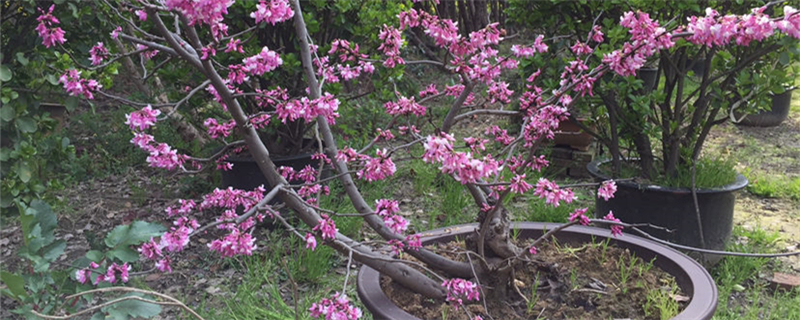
(584, 282)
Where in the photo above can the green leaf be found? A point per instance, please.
(21, 58)
(98, 316)
(52, 79)
(5, 73)
(124, 254)
(15, 284)
(94, 255)
(24, 172)
(26, 124)
(54, 250)
(132, 308)
(135, 233)
(7, 113)
(784, 58)
(71, 103)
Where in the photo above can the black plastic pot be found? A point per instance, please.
(690, 276)
(650, 78)
(673, 208)
(781, 104)
(246, 175)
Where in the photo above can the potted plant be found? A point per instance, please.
(768, 84)
(415, 130)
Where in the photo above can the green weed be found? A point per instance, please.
(660, 303)
(774, 186)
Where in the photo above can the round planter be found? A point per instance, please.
(691, 277)
(775, 116)
(246, 175)
(673, 208)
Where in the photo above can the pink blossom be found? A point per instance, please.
(615, 228)
(274, 12)
(175, 239)
(438, 148)
(607, 190)
(216, 130)
(208, 12)
(141, 14)
(234, 45)
(143, 119)
(327, 227)
(392, 42)
(164, 265)
(266, 61)
(208, 51)
(311, 241)
(790, 24)
(500, 135)
(234, 243)
(581, 49)
(76, 86)
(98, 53)
(50, 34)
(82, 275)
(579, 214)
(460, 289)
(115, 33)
(378, 168)
(338, 307)
(596, 35)
(533, 251)
(397, 246)
(405, 106)
(414, 242)
(430, 90)
(396, 223)
(498, 91)
(519, 185)
(552, 193)
(150, 250)
(385, 207)
(142, 140)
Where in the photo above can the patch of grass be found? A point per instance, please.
(710, 173)
(660, 303)
(773, 186)
(742, 293)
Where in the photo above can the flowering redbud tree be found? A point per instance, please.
(491, 166)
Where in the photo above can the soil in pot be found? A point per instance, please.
(580, 281)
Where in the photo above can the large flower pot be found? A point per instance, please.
(246, 175)
(781, 104)
(690, 276)
(673, 208)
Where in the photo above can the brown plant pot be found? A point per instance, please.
(691, 277)
(570, 134)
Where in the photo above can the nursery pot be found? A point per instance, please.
(246, 175)
(570, 134)
(690, 276)
(673, 208)
(773, 117)
(650, 78)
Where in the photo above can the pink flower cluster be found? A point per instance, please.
(647, 37)
(378, 168)
(500, 135)
(311, 241)
(327, 227)
(326, 106)
(459, 289)
(580, 215)
(208, 12)
(50, 34)
(274, 12)
(387, 209)
(392, 42)
(790, 24)
(235, 243)
(552, 193)
(414, 242)
(607, 190)
(77, 87)
(405, 106)
(521, 51)
(615, 229)
(265, 61)
(716, 30)
(143, 119)
(98, 53)
(498, 91)
(216, 130)
(338, 307)
(519, 185)
(83, 275)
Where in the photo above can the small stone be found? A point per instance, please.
(784, 281)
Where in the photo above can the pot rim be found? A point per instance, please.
(594, 169)
(701, 286)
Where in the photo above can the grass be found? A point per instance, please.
(710, 173)
(773, 185)
(743, 292)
